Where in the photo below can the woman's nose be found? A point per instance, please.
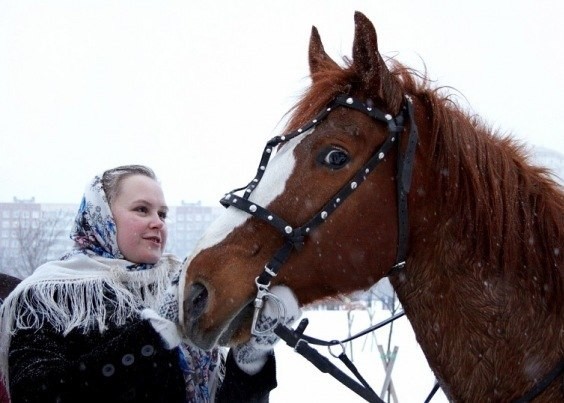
(157, 221)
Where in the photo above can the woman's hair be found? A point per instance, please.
(112, 178)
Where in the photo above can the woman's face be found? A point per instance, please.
(139, 210)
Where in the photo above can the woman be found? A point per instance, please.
(99, 325)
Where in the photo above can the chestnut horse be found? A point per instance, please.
(477, 267)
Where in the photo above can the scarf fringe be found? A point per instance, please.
(86, 298)
(82, 305)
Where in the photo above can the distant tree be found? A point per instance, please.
(35, 238)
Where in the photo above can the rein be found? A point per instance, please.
(301, 344)
(294, 238)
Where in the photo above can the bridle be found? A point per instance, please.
(294, 238)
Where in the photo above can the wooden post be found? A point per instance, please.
(350, 319)
(388, 363)
(371, 311)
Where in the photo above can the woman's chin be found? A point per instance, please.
(145, 258)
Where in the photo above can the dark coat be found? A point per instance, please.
(125, 364)
(3, 393)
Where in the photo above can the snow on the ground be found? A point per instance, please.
(299, 380)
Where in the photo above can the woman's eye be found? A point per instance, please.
(334, 158)
(162, 215)
(141, 209)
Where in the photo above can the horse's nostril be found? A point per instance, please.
(197, 300)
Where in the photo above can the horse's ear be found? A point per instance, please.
(366, 58)
(319, 60)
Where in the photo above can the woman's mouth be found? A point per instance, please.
(153, 239)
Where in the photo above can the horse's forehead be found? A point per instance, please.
(271, 186)
(345, 124)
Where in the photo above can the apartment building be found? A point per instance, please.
(32, 233)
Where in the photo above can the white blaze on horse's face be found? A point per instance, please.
(271, 186)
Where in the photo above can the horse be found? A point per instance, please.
(383, 174)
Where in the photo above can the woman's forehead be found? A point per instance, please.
(141, 187)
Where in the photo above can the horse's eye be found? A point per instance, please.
(334, 158)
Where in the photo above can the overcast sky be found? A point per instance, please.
(194, 88)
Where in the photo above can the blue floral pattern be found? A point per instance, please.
(94, 227)
(197, 366)
(94, 231)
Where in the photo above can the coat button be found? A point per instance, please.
(108, 370)
(127, 359)
(147, 350)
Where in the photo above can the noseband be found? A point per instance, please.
(294, 238)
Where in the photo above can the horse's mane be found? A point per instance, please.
(484, 179)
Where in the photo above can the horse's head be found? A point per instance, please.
(324, 211)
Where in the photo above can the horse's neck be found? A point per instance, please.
(482, 329)
(479, 333)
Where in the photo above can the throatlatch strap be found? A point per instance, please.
(404, 174)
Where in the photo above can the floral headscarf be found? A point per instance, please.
(95, 231)
(94, 226)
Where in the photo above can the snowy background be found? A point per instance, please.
(194, 88)
(298, 380)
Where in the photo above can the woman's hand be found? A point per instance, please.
(165, 328)
(252, 355)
